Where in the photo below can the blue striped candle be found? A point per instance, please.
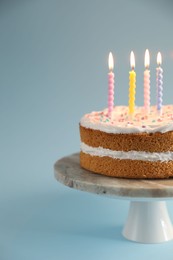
(159, 83)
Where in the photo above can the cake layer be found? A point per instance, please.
(126, 168)
(131, 155)
(148, 142)
(137, 146)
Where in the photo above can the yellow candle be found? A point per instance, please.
(132, 85)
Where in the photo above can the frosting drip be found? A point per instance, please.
(120, 122)
(131, 155)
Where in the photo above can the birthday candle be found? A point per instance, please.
(132, 85)
(147, 82)
(110, 85)
(159, 83)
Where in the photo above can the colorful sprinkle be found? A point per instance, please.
(159, 120)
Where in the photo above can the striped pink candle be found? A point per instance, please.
(110, 85)
(147, 83)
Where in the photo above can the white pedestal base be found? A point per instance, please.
(148, 222)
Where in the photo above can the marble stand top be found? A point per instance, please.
(69, 173)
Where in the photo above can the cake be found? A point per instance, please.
(128, 147)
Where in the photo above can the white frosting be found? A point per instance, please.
(131, 155)
(121, 123)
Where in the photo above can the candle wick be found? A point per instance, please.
(159, 64)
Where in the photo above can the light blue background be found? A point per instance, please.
(53, 69)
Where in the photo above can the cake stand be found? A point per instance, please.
(148, 220)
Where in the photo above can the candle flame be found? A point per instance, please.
(159, 58)
(132, 60)
(111, 61)
(147, 58)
